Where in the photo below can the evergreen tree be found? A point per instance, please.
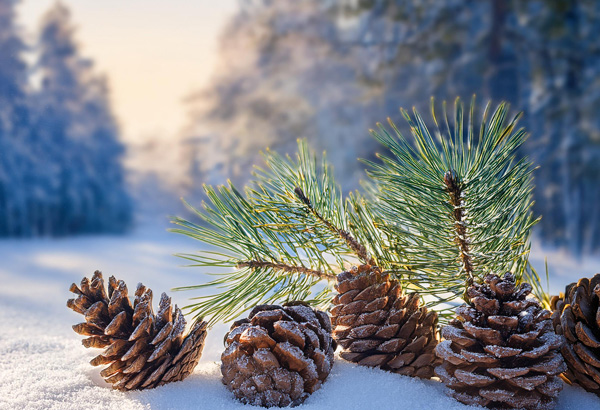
(541, 56)
(564, 101)
(60, 170)
(15, 156)
(77, 136)
(285, 74)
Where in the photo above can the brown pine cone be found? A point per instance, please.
(143, 350)
(377, 325)
(576, 315)
(502, 351)
(279, 355)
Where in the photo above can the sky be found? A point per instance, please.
(154, 52)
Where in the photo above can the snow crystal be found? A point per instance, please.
(501, 351)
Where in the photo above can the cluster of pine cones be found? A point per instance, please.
(503, 350)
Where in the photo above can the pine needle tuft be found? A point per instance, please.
(284, 238)
(455, 199)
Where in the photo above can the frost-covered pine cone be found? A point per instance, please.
(377, 325)
(502, 351)
(577, 317)
(278, 355)
(142, 350)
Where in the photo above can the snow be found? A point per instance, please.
(44, 366)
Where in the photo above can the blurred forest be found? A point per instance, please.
(329, 70)
(60, 170)
(326, 70)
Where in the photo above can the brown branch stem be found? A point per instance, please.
(455, 192)
(282, 267)
(358, 248)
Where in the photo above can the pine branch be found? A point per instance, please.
(277, 241)
(242, 234)
(359, 249)
(282, 267)
(306, 196)
(456, 193)
(456, 203)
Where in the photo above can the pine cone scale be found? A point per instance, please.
(585, 335)
(593, 372)
(586, 354)
(568, 324)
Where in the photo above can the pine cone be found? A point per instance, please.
(143, 350)
(577, 316)
(377, 325)
(502, 351)
(279, 355)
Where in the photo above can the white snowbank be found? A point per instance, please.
(44, 366)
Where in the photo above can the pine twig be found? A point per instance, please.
(456, 193)
(289, 269)
(281, 251)
(359, 249)
(455, 198)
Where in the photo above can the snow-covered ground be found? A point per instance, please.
(44, 366)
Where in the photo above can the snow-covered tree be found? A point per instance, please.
(60, 157)
(77, 135)
(542, 56)
(284, 74)
(15, 156)
(564, 101)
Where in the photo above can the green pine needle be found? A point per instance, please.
(276, 242)
(439, 212)
(456, 200)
